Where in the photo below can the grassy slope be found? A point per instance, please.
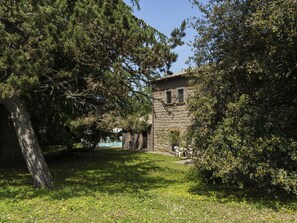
(120, 186)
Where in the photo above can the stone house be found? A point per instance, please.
(170, 114)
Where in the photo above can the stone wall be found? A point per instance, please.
(137, 141)
(171, 118)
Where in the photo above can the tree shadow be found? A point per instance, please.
(103, 171)
(259, 198)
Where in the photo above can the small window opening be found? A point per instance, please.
(168, 97)
(180, 96)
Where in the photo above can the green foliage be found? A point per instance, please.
(78, 57)
(135, 123)
(244, 105)
(135, 118)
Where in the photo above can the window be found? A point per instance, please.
(168, 98)
(180, 96)
(176, 96)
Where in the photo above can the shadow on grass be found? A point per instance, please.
(224, 194)
(104, 171)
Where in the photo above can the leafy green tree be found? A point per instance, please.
(244, 106)
(73, 58)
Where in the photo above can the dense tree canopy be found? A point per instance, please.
(68, 59)
(83, 52)
(75, 56)
(245, 104)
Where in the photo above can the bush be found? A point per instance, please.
(249, 146)
(244, 106)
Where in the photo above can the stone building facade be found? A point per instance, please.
(171, 117)
(138, 140)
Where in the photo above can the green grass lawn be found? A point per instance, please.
(111, 185)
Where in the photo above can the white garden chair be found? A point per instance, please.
(190, 153)
(178, 151)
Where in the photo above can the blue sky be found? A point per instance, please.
(165, 15)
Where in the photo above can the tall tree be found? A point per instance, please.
(245, 103)
(75, 56)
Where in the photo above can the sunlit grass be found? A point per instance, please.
(121, 186)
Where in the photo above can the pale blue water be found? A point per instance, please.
(110, 144)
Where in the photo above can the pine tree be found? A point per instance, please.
(75, 56)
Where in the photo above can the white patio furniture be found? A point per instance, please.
(189, 152)
(178, 151)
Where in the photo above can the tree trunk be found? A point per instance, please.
(28, 142)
